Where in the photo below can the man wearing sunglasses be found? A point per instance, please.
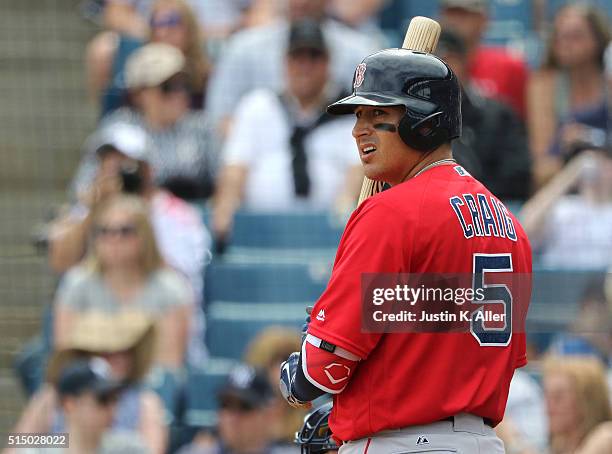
(284, 152)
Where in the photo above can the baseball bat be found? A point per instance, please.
(422, 35)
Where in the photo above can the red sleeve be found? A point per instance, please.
(374, 241)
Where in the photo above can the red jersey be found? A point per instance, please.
(501, 76)
(442, 221)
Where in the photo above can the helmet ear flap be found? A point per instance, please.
(423, 135)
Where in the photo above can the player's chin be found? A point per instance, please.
(373, 172)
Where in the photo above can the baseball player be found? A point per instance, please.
(406, 391)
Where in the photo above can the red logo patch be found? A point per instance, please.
(359, 75)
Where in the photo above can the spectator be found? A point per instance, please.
(183, 149)
(493, 143)
(578, 406)
(266, 352)
(254, 58)
(174, 23)
(573, 230)
(180, 234)
(126, 341)
(88, 396)
(590, 332)
(244, 407)
(285, 152)
(129, 23)
(125, 271)
(567, 96)
(494, 70)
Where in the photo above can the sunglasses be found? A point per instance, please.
(122, 231)
(236, 406)
(107, 399)
(174, 86)
(167, 21)
(312, 54)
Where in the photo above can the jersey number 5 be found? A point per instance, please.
(494, 294)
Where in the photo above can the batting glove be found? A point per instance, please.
(287, 377)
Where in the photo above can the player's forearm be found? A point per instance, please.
(302, 388)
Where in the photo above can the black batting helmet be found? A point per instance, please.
(420, 82)
(315, 436)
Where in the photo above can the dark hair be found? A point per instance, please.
(598, 24)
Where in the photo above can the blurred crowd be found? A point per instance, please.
(222, 104)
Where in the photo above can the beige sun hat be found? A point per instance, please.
(153, 64)
(101, 332)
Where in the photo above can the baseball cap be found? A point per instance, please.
(87, 375)
(153, 64)
(125, 138)
(475, 6)
(248, 386)
(306, 34)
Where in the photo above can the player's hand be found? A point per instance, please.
(288, 370)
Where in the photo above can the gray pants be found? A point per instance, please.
(467, 434)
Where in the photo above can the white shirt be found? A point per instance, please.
(527, 410)
(255, 58)
(578, 235)
(259, 140)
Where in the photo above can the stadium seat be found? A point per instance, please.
(201, 392)
(508, 21)
(231, 326)
(300, 230)
(269, 283)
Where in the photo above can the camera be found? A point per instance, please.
(131, 175)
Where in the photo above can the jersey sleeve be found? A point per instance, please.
(373, 242)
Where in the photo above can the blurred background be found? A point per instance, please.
(172, 194)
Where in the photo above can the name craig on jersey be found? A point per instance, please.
(480, 215)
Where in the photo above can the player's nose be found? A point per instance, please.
(362, 128)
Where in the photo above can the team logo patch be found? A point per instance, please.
(359, 75)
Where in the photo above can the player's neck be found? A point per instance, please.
(439, 154)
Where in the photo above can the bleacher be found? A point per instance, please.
(276, 265)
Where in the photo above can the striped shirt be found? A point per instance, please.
(185, 152)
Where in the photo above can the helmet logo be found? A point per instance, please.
(359, 75)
